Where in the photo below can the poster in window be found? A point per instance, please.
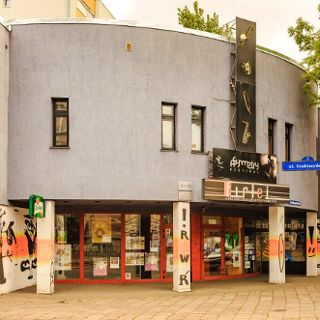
(236, 259)
(100, 267)
(101, 229)
(169, 241)
(169, 262)
(114, 262)
(134, 243)
(151, 261)
(291, 240)
(61, 233)
(155, 242)
(128, 275)
(134, 258)
(63, 257)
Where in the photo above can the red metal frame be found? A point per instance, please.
(222, 276)
(82, 279)
(197, 229)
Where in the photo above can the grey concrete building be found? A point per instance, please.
(108, 121)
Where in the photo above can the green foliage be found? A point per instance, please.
(308, 40)
(196, 20)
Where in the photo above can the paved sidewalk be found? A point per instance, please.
(251, 298)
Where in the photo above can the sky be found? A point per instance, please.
(273, 17)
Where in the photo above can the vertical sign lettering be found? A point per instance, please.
(181, 247)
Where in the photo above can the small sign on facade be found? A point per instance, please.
(185, 191)
(36, 206)
(295, 203)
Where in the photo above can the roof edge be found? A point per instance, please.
(129, 23)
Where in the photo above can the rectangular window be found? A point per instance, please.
(168, 128)
(271, 135)
(288, 133)
(197, 115)
(60, 122)
(7, 3)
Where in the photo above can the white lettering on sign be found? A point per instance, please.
(250, 165)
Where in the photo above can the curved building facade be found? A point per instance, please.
(123, 128)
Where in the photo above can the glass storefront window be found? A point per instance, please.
(142, 238)
(102, 246)
(67, 245)
(251, 253)
(295, 240)
(168, 238)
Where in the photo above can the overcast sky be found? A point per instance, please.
(273, 17)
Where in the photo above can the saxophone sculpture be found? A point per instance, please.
(246, 133)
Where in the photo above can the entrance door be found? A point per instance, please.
(233, 246)
(213, 252)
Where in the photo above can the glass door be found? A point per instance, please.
(67, 255)
(142, 246)
(212, 252)
(233, 246)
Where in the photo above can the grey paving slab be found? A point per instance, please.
(250, 298)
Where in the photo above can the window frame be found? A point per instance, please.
(59, 113)
(201, 121)
(288, 141)
(271, 135)
(169, 118)
(6, 4)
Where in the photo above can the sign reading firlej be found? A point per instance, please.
(244, 191)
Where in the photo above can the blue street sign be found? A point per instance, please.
(294, 203)
(300, 165)
(307, 158)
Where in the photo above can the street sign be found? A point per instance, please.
(295, 203)
(300, 165)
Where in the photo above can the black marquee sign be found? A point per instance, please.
(242, 166)
(246, 85)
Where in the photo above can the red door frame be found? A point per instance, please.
(82, 280)
(222, 228)
(212, 227)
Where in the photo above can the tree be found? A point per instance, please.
(195, 20)
(308, 40)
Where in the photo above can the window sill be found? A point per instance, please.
(200, 153)
(59, 147)
(168, 150)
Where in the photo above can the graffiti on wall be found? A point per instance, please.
(30, 233)
(311, 243)
(17, 246)
(6, 235)
(281, 243)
